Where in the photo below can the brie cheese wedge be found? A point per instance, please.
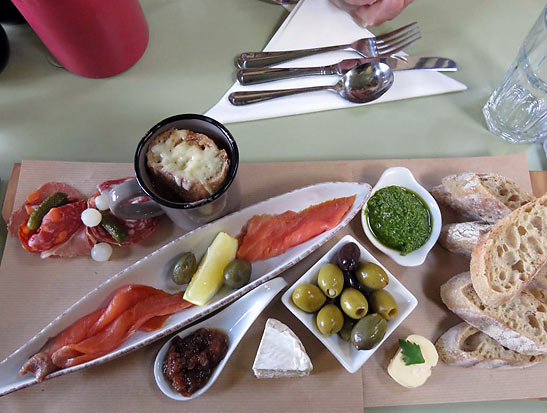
(280, 353)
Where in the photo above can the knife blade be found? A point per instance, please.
(269, 74)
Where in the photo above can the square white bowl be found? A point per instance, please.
(351, 358)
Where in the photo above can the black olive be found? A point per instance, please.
(350, 280)
(348, 257)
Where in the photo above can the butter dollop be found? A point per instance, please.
(414, 375)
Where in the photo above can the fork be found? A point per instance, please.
(383, 45)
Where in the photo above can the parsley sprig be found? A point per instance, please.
(412, 354)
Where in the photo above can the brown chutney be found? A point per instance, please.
(191, 360)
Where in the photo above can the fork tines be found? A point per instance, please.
(387, 37)
(397, 40)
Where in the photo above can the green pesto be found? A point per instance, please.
(399, 219)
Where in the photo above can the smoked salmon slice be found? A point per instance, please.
(41, 364)
(266, 236)
(124, 298)
(116, 333)
(132, 307)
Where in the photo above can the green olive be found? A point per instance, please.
(308, 297)
(371, 276)
(329, 320)
(368, 332)
(184, 268)
(345, 332)
(330, 280)
(353, 303)
(237, 273)
(383, 303)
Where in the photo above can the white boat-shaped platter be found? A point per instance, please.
(154, 269)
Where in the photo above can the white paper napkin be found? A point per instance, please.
(315, 23)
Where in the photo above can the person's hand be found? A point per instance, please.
(375, 12)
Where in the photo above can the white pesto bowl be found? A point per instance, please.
(403, 177)
(351, 358)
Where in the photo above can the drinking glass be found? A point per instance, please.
(92, 38)
(517, 110)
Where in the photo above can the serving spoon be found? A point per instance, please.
(234, 320)
(363, 83)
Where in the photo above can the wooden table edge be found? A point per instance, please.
(9, 199)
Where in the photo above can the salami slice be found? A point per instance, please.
(57, 227)
(138, 229)
(107, 186)
(34, 199)
(78, 244)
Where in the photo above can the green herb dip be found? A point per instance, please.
(399, 219)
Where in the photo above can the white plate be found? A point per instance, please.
(351, 358)
(403, 177)
(234, 320)
(154, 270)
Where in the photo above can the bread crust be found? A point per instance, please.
(462, 237)
(452, 350)
(189, 191)
(452, 294)
(480, 197)
(484, 262)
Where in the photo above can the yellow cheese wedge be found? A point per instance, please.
(416, 374)
(209, 276)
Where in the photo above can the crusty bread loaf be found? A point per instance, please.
(512, 253)
(480, 197)
(193, 176)
(520, 325)
(465, 346)
(462, 237)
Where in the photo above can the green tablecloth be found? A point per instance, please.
(47, 113)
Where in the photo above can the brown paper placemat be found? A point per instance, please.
(431, 318)
(34, 291)
(127, 383)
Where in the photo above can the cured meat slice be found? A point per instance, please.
(107, 186)
(119, 330)
(34, 199)
(138, 230)
(57, 227)
(61, 232)
(266, 236)
(78, 244)
(131, 308)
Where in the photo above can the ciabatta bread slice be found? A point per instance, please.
(513, 253)
(540, 280)
(465, 346)
(520, 325)
(462, 237)
(481, 197)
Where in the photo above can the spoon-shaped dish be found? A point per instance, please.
(362, 84)
(234, 320)
(403, 177)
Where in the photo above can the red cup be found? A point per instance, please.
(92, 38)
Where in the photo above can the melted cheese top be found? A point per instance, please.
(187, 162)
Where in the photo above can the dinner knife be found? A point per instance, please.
(261, 75)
